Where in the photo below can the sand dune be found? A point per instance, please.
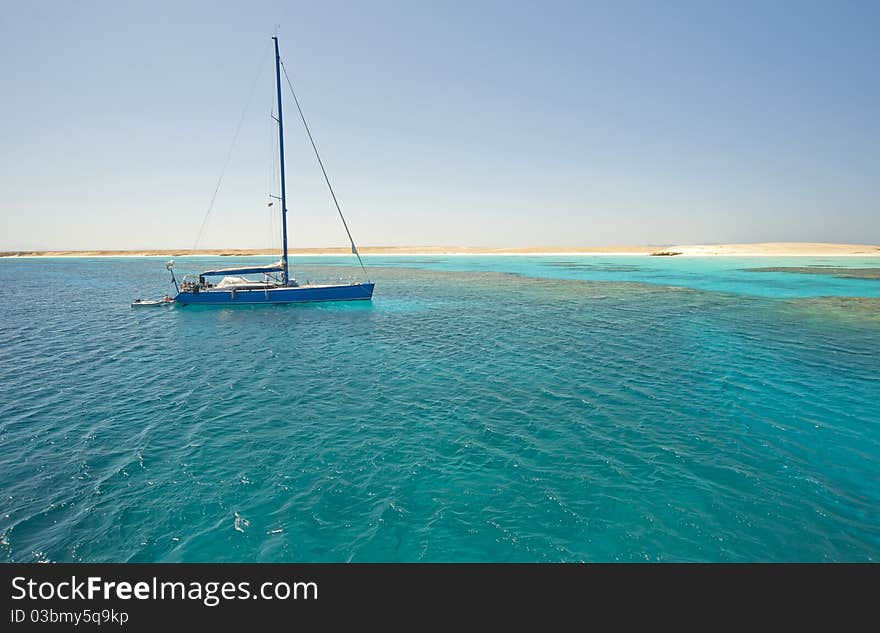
(695, 250)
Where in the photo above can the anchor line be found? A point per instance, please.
(324, 171)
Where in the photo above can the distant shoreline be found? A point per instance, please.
(804, 249)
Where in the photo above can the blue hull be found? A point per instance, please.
(352, 292)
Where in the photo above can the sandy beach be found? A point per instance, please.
(769, 249)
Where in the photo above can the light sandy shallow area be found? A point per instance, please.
(770, 249)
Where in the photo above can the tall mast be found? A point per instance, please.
(285, 274)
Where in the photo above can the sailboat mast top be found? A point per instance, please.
(285, 273)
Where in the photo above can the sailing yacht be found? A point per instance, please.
(277, 285)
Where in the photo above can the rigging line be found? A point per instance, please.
(324, 171)
(231, 148)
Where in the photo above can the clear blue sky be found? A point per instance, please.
(470, 123)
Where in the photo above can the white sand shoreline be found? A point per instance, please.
(775, 249)
(414, 254)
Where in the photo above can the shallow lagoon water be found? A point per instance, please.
(558, 408)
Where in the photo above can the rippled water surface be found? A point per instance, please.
(480, 409)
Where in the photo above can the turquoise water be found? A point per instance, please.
(479, 409)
